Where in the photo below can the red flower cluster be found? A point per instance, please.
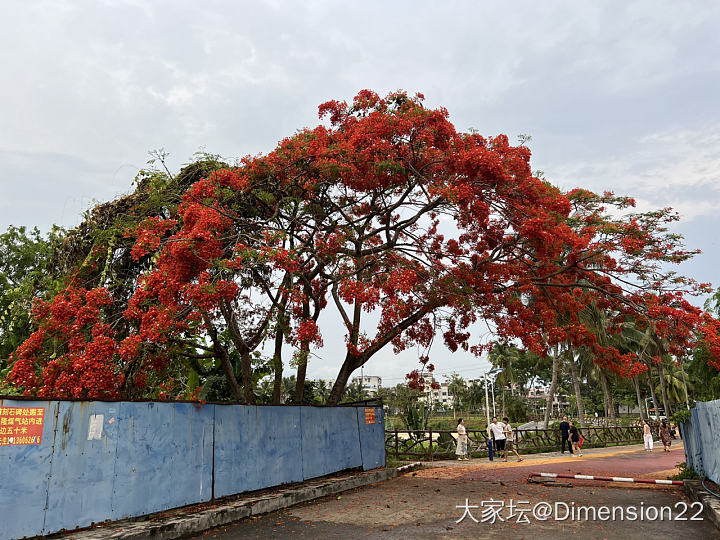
(387, 209)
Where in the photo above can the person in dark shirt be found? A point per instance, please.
(565, 433)
(575, 440)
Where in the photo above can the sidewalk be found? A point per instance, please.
(189, 520)
(186, 521)
(549, 457)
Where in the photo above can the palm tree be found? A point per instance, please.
(596, 320)
(288, 389)
(648, 346)
(458, 390)
(265, 391)
(674, 382)
(575, 374)
(354, 392)
(322, 391)
(607, 395)
(504, 356)
(639, 398)
(630, 339)
(553, 384)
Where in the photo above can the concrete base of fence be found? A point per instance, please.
(711, 504)
(178, 526)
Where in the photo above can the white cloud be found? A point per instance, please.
(616, 95)
(677, 168)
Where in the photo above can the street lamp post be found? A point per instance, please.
(492, 389)
(487, 409)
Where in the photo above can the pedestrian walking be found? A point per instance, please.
(462, 442)
(565, 435)
(647, 436)
(498, 431)
(665, 436)
(510, 439)
(575, 440)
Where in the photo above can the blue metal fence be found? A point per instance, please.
(701, 439)
(111, 460)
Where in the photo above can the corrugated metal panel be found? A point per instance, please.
(701, 438)
(101, 460)
(24, 472)
(256, 447)
(330, 440)
(372, 439)
(280, 445)
(706, 420)
(692, 447)
(83, 466)
(236, 448)
(164, 457)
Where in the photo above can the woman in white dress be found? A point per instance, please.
(462, 441)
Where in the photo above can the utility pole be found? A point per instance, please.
(487, 410)
(487, 414)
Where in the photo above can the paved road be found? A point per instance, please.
(424, 504)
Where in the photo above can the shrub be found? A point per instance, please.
(686, 473)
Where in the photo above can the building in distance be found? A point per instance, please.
(370, 383)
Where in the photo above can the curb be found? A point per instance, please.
(711, 504)
(180, 526)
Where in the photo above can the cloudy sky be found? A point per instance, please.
(616, 95)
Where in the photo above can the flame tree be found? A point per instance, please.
(384, 209)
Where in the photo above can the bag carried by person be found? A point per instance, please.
(580, 442)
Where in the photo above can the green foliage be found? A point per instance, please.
(354, 392)
(704, 379)
(686, 473)
(416, 417)
(462, 395)
(399, 398)
(26, 273)
(517, 409)
(683, 415)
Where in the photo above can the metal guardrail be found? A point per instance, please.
(430, 444)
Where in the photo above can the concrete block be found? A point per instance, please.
(711, 505)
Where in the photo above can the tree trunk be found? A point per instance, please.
(685, 392)
(303, 357)
(663, 391)
(610, 406)
(652, 389)
(553, 386)
(278, 365)
(301, 370)
(246, 367)
(639, 398)
(576, 385)
(227, 366)
(244, 347)
(229, 371)
(340, 382)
